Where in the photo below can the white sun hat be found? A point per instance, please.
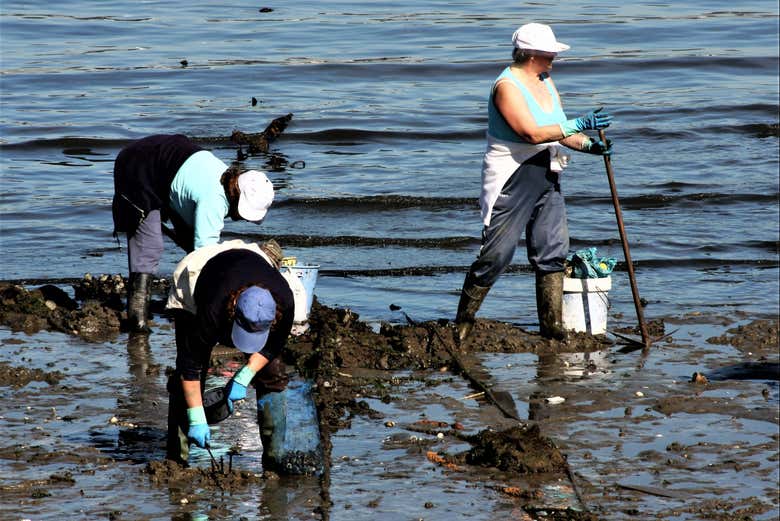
(257, 194)
(537, 37)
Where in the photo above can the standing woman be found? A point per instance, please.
(168, 177)
(521, 171)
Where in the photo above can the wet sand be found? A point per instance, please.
(415, 425)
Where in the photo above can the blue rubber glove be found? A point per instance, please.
(597, 147)
(236, 388)
(199, 432)
(595, 120)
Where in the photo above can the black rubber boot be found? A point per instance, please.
(471, 297)
(549, 304)
(139, 295)
(178, 445)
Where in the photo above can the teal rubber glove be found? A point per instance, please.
(199, 432)
(595, 120)
(236, 388)
(597, 147)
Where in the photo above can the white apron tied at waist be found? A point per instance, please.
(502, 159)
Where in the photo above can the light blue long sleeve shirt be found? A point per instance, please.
(199, 198)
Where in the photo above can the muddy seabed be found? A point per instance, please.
(414, 425)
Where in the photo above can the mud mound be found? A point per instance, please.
(108, 289)
(50, 308)
(171, 474)
(520, 449)
(17, 377)
(756, 339)
(655, 329)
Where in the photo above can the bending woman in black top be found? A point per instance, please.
(244, 302)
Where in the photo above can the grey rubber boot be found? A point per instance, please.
(139, 295)
(272, 419)
(289, 430)
(549, 304)
(471, 297)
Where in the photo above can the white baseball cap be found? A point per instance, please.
(257, 194)
(537, 37)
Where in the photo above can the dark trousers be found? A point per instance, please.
(145, 245)
(531, 201)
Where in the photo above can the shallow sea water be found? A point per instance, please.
(379, 178)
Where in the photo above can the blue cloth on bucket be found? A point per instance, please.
(586, 264)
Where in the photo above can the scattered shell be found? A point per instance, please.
(555, 400)
(440, 435)
(184, 501)
(639, 394)
(389, 423)
(51, 305)
(113, 419)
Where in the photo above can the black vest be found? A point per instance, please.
(143, 173)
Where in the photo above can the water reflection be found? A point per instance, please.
(138, 411)
(562, 368)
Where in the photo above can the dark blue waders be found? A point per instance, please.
(531, 201)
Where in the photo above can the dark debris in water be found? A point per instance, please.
(258, 143)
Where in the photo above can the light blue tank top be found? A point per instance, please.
(497, 125)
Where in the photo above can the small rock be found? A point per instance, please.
(699, 378)
(389, 424)
(639, 394)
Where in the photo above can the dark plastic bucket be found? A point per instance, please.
(215, 405)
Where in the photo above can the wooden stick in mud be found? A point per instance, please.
(618, 214)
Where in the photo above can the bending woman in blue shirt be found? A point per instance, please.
(169, 178)
(521, 172)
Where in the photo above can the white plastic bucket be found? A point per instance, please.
(585, 304)
(307, 274)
